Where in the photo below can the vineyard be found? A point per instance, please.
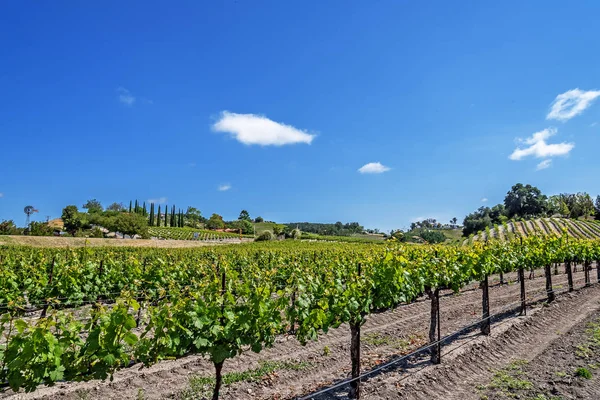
(191, 234)
(580, 229)
(81, 314)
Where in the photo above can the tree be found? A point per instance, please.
(40, 229)
(584, 206)
(453, 221)
(193, 216)
(158, 216)
(93, 206)
(151, 221)
(9, 228)
(173, 220)
(525, 201)
(477, 221)
(498, 214)
(245, 225)
(259, 219)
(130, 224)
(72, 219)
(130, 206)
(144, 211)
(215, 222)
(244, 215)
(116, 207)
(432, 236)
(166, 214)
(278, 229)
(597, 207)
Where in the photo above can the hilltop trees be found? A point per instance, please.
(93, 206)
(193, 216)
(116, 207)
(129, 224)
(215, 222)
(244, 215)
(337, 229)
(72, 219)
(525, 201)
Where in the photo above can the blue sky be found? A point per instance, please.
(281, 103)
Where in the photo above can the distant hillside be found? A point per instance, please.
(546, 226)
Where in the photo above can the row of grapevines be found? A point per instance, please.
(221, 301)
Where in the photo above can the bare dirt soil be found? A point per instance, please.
(54, 241)
(289, 370)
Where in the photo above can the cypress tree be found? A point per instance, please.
(144, 211)
(129, 206)
(158, 217)
(135, 210)
(166, 214)
(173, 222)
(151, 222)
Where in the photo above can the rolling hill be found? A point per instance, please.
(546, 226)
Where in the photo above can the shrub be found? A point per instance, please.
(96, 233)
(295, 234)
(432, 236)
(265, 236)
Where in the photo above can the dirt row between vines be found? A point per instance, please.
(304, 369)
(536, 358)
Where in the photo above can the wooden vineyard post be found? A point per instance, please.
(485, 320)
(501, 278)
(293, 312)
(569, 275)
(586, 271)
(548, 273)
(523, 299)
(355, 355)
(434, 325)
(219, 365)
(45, 310)
(598, 270)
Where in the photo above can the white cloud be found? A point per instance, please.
(538, 147)
(160, 200)
(223, 188)
(544, 164)
(125, 96)
(1, 195)
(257, 129)
(484, 199)
(373, 168)
(571, 103)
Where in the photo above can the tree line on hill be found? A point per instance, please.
(526, 202)
(337, 229)
(136, 219)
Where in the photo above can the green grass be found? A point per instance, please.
(377, 339)
(453, 236)
(263, 226)
(583, 372)
(509, 379)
